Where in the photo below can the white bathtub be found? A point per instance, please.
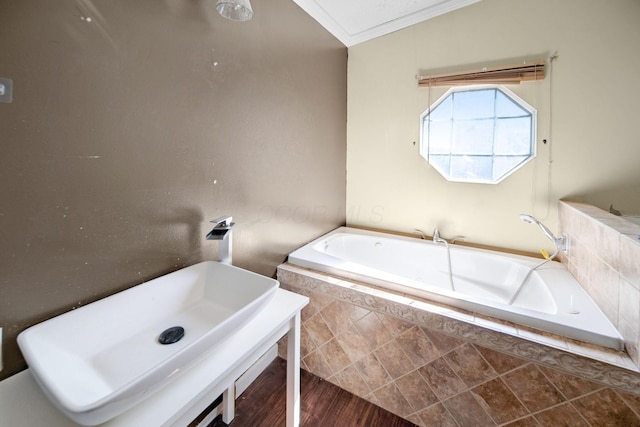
(485, 281)
(633, 218)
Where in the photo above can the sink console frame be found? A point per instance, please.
(22, 402)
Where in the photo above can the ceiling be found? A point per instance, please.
(356, 21)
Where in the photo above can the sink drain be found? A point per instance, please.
(171, 335)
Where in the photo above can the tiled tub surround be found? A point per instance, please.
(436, 366)
(604, 257)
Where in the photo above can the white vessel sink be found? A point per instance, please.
(99, 360)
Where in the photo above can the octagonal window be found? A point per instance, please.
(478, 134)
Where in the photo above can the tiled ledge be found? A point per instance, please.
(605, 366)
(604, 257)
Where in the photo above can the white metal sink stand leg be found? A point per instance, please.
(293, 372)
(293, 380)
(229, 404)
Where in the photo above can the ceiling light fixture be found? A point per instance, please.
(236, 10)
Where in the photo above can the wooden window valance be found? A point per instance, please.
(513, 74)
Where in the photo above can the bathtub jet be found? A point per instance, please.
(560, 242)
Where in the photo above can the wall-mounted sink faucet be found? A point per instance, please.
(223, 232)
(560, 242)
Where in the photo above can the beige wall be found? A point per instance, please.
(587, 111)
(128, 133)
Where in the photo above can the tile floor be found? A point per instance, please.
(430, 378)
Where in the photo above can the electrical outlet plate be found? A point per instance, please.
(6, 90)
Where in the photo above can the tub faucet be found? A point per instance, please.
(223, 232)
(560, 242)
(436, 237)
(439, 240)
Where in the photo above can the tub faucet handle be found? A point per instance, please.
(420, 233)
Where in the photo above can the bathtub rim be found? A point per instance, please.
(603, 333)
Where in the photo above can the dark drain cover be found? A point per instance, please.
(171, 335)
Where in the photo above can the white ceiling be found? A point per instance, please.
(356, 21)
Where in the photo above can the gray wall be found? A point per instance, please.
(129, 132)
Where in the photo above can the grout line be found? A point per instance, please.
(567, 350)
(626, 403)
(536, 363)
(506, 384)
(580, 414)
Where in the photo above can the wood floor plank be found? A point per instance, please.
(263, 404)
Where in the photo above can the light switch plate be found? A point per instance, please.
(6, 90)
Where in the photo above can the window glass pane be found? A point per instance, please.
(513, 136)
(473, 104)
(442, 163)
(438, 136)
(472, 137)
(478, 135)
(472, 168)
(442, 111)
(505, 107)
(503, 165)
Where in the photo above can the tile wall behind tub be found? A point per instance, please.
(433, 379)
(604, 256)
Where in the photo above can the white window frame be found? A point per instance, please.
(424, 145)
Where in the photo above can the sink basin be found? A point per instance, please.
(99, 360)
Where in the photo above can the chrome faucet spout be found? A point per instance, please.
(440, 241)
(420, 233)
(223, 232)
(436, 237)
